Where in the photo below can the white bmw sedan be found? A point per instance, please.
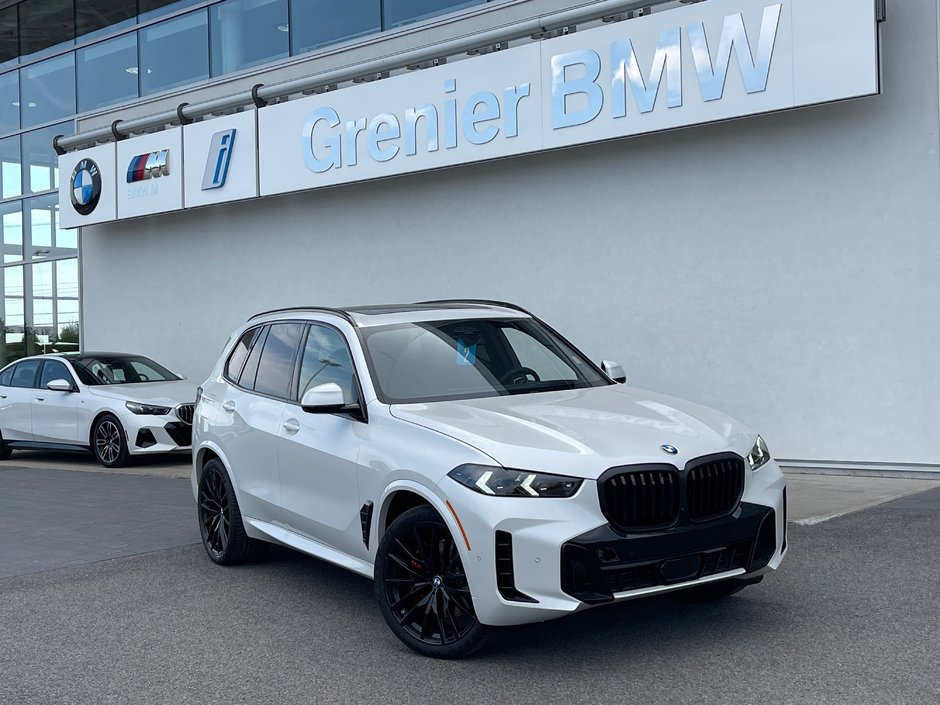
(477, 466)
(112, 404)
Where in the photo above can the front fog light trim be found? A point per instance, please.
(759, 455)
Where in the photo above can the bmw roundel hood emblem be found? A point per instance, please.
(86, 186)
(671, 450)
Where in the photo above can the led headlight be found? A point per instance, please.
(759, 454)
(501, 482)
(147, 409)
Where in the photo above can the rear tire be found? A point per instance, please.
(220, 519)
(422, 589)
(5, 450)
(109, 442)
(713, 591)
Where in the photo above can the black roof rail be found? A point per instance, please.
(312, 309)
(479, 302)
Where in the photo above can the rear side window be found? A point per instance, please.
(25, 374)
(275, 369)
(237, 359)
(6, 377)
(247, 378)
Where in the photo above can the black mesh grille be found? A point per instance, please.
(641, 499)
(714, 487)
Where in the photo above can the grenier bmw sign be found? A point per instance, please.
(696, 64)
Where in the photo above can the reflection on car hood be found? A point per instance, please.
(582, 432)
(160, 393)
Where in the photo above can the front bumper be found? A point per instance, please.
(156, 434)
(563, 556)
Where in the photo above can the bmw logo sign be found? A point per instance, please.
(671, 450)
(86, 186)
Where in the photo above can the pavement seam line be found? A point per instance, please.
(812, 521)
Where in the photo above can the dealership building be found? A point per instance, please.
(738, 200)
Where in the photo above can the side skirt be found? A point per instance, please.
(312, 548)
(38, 445)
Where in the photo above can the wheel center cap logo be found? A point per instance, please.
(437, 581)
(668, 449)
(85, 186)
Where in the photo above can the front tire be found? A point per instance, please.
(220, 519)
(5, 450)
(109, 442)
(422, 588)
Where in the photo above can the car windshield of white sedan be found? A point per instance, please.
(464, 359)
(120, 369)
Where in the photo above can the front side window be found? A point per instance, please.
(465, 359)
(6, 377)
(120, 369)
(326, 359)
(52, 370)
(277, 359)
(25, 374)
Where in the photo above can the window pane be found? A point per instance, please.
(174, 53)
(41, 165)
(399, 12)
(274, 370)
(316, 23)
(246, 33)
(92, 16)
(46, 238)
(25, 374)
(48, 90)
(67, 311)
(247, 378)
(12, 217)
(326, 359)
(11, 169)
(42, 279)
(9, 37)
(152, 8)
(66, 279)
(53, 369)
(45, 24)
(42, 316)
(12, 282)
(9, 101)
(107, 73)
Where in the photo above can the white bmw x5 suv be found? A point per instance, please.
(477, 466)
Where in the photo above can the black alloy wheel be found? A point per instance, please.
(109, 442)
(220, 520)
(422, 588)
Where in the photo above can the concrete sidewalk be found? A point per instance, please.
(811, 498)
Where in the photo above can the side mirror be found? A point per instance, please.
(60, 385)
(614, 370)
(323, 399)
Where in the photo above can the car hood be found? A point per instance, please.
(160, 393)
(582, 432)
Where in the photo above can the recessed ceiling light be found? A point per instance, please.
(131, 70)
(283, 27)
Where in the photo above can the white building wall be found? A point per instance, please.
(785, 268)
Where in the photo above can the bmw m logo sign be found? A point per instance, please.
(146, 166)
(86, 186)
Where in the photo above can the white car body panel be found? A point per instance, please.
(412, 447)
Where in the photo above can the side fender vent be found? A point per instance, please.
(365, 517)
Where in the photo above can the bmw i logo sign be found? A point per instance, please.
(86, 186)
(670, 450)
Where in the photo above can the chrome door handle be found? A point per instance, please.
(229, 406)
(3, 396)
(292, 425)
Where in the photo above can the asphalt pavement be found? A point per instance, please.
(110, 599)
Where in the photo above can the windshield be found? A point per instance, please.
(465, 359)
(123, 369)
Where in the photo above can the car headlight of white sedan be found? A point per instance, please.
(500, 482)
(759, 454)
(146, 409)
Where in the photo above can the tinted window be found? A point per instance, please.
(247, 378)
(40, 162)
(47, 90)
(7, 376)
(9, 101)
(94, 15)
(246, 33)
(45, 24)
(326, 359)
(9, 36)
(399, 12)
(53, 369)
(315, 23)
(537, 356)
(240, 353)
(25, 374)
(174, 53)
(107, 72)
(274, 370)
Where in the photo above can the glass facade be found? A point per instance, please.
(62, 57)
